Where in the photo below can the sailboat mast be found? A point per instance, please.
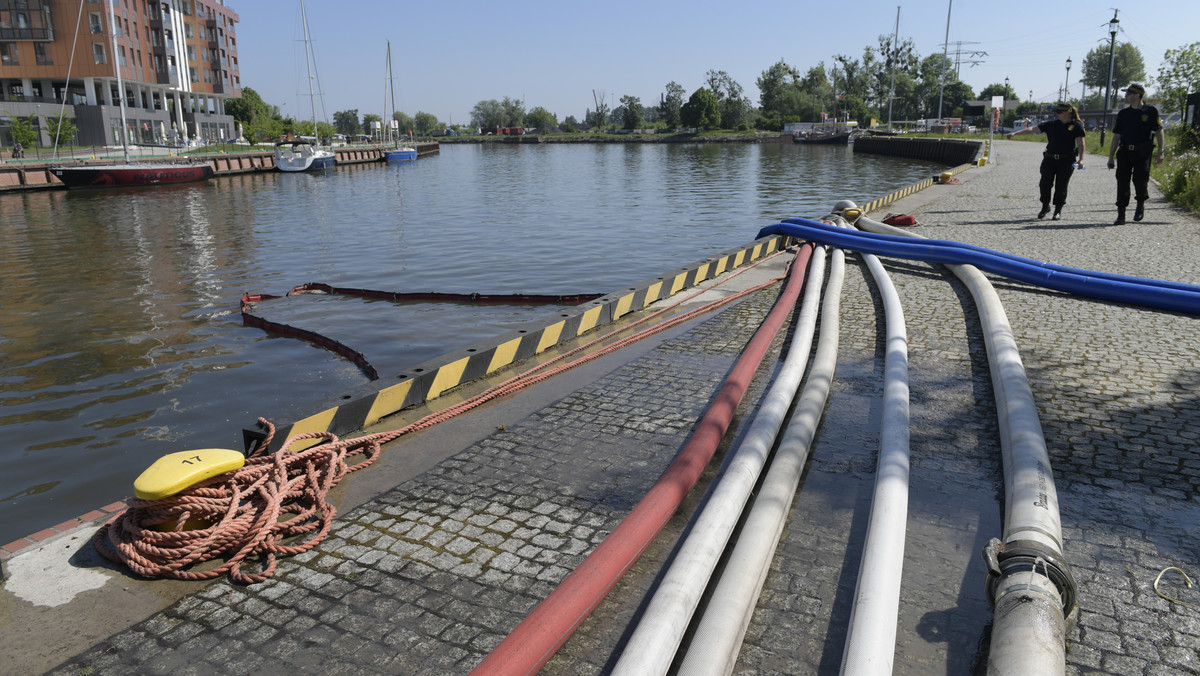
(112, 26)
(385, 134)
(308, 64)
(392, 87)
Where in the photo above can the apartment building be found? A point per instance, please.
(178, 63)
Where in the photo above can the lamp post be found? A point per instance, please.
(1004, 102)
(1067, 82)
(1112, 47)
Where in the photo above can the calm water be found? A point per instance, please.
(120, 337)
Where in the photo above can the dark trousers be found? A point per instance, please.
(1131, 165)
(1056, 173)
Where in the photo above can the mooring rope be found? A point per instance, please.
(251, 513)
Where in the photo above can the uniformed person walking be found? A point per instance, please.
(1133, 147)
(1064, 152)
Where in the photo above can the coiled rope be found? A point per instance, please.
(257, 513)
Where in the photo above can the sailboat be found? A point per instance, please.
(399, 153)
(301, 154)
(128, 174)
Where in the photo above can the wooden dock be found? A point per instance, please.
(37, 175)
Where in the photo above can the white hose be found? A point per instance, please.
(714, 647)
(653, 643)
(871, 640)
(1029, 629)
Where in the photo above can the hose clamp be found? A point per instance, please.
(1027, 556)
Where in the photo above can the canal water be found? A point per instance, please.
(121, 339)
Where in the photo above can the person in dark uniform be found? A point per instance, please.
(1064, 152)
(1133, 147)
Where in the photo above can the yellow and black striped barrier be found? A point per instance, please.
(434, 378)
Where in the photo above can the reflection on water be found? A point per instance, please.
(120, 338)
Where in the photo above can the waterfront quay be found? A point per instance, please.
(458, 532)
(37, 174)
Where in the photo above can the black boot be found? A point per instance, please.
(1139, 210)
(1057, 212)
(1045, 210)
(1120, 216)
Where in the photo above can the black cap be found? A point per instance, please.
(1141, 91)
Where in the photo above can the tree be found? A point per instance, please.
(702, 110)
(487, 114)
(346, 122)
(249, 107)
(773, 87)
(733, 105)
(61, 133)
(514, 112)
(1178, 75)
(23, 131)
(404, 123)
(368, 124)
(1127, 62)
(600, 116)
(632, 117)
(540, 118)
(426, 123)
(671, 104)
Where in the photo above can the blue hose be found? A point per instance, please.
(1137, 291)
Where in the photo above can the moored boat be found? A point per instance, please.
(401, 154)
(302, 155)
(124, 175)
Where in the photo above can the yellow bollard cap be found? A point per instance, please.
(176, 471)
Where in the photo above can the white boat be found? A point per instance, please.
(400, 153)
(301, 154)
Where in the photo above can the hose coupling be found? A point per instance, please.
(1027, 556)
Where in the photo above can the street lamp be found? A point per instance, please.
(1004, 101)
(1112, 46)
(1067, 82)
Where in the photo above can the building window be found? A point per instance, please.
(94, 23)
(8, 54)
(193, 75)
(121, 55)
(40, 54)
(191, 52)
(98, 53)
(187, 30)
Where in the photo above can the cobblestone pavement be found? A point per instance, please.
(430, 575)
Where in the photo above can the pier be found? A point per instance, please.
(459, 531)
(37, 175)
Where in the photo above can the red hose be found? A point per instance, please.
(535, 640)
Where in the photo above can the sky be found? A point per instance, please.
(448, 57)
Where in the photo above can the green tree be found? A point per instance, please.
(514, 112)
(369, 128)
(1178, 75)
(733, 104)
(703, 110)
(62, 133)
(23, 131)
(488, 113)
(632, 114)
(1127, 66)
(249, 107)
(404, 123)
(671, 104)
(346, 122)
(425, 123)
(540, 118)
(773, 88)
